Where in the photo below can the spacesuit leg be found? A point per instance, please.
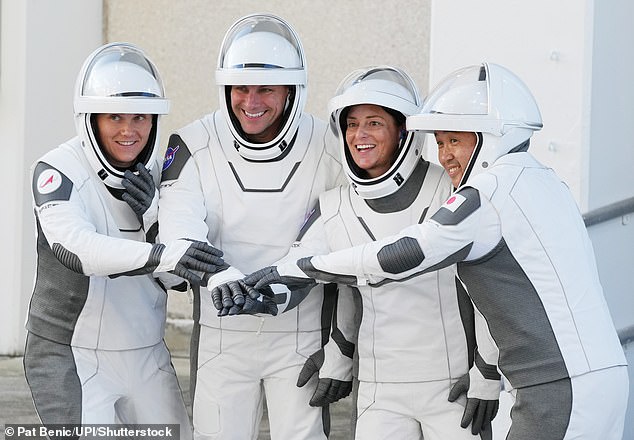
(228, 395)
(157, 396)
(290, 415)
(409, 410)
(52, 377)
(378, 417)
(541, 411)
(101, 388)
(599, 404)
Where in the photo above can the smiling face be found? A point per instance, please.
(454, 152)
(259, 110)
(372, 136)
(122, 137)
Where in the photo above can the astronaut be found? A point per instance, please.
(244, 178)
(523, 254)
(94, 350)
(404, 377)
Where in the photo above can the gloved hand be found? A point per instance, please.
(288, 273)
(482, 399)
(262, 305)
(229, 296)
(236, 298)
(141, 194)
(328, 390)
(186, 257)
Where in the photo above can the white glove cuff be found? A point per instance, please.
(336, 364)
(291, 269)
(151, 215)
(172, 254)
(482, 388)
(229, 274)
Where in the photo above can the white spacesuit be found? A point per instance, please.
(412, 345)
(95, 350)
(250, 200)
(523, 254)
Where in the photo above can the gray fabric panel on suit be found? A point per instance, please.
(541, 411)
(52, 377)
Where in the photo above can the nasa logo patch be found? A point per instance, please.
(170, 154)
(454, 202)
(48, 181)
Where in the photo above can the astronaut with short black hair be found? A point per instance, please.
(244, 178)
(95, 352)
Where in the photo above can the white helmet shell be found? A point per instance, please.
(117, 78)
(391, 88)
(262, 49)
(487, 99)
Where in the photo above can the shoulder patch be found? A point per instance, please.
(458, 206)
(176, 156)
(50, 184)
(454, 202)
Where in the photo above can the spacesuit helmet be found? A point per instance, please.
(487, 99)
(395, 91)
(117, 78)
(262, 49)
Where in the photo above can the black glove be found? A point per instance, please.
(235, 298)
(140, 193)
(185, 257)
(227, 295)
(328, 390)
(478, 412)
(262, 305)
(288, 273)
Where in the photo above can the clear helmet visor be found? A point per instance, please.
(381, 85)
(362, 79)
(464, 93)
(120, 79)
(261, 49)
(488, 99)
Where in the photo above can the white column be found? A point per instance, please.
(42, 47)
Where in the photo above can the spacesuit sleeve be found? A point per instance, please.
(182, 210)
(486, 347)
(444, 239)
(71, 233)
(346, 319)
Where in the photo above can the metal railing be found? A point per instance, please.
(604, 214)
(609, 212)
(626, 335)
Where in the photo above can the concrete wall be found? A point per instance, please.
(183, 38)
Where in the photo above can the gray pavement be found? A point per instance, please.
(16, 406)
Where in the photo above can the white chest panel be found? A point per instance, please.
(410, 331)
